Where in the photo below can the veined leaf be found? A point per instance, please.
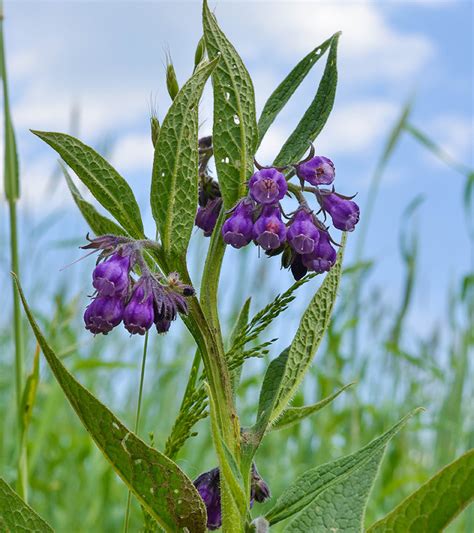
(436, 503)
(309, 335)
(16, 515)
(317, 113)
(157, 482)
(104, 182)
(293, 415)
(99, 224)
(287, 87)
(235, 133)
(174, 186)
(332, 497)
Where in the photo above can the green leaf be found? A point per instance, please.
(235, 133)
(16, 515)
(99, 224)
(104, 182)
(174, 186)
(287, 87)
(309, 335)
(436, 503)
(29, 392)
(157, 482)
(317, 113)
(332, 497)
(294, 415)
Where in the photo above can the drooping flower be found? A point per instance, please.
(206, 217)
(344, 213)
(302, 233)
(259, 489)
(322, 257)
(318, 170)
(162, 325)
(237, 229)
(269, 231)
(208, 486)
(103, 314)
(139, 315)
(111, 277)
(267, 186)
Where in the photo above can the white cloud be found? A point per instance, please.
(454, 134)
(133, 152)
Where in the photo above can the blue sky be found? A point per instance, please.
(107, 60)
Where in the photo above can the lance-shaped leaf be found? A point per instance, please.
(332, 497)
(294, 415)
(235, 133)
(158, 483)
(16, 515)
(287, 88)
(309, 335)
(317, 113)
(174, 186)
(436, 503)
(99, 224)
(105, 183)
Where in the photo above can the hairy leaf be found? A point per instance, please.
(174, 186)
(294, 415)
(287, 87)
(158, 483)
(104, 182)
(317, 113)
(16, 515)
(99, 224)
(235, 131)
(346, 481)
(309, 335)
(436, 503)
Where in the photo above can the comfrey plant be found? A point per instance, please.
(284, 209)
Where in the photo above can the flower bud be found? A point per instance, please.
(298, 269)
(155, 129)
(206, 217)
(344, 213)
(162, 325)
(302, 233)
(268, 186)
(269, 231)
(260, 491)
(103, 314)
(111, 277)
(323, 257)
(138, 316)
(208, 486)
(237, 229)
(317, 171)
(171, 80)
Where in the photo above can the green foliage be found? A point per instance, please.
(104, 182)
(158, 483)
(16, 515)
(309, 335)
(98, 223)
(316, 115)
(332, 497)
(175, 167)
(235, 131)
(294, 415)
(288, 86)
(436, 503)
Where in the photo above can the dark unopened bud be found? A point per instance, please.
(323, 257)
(317, 171)
(267, 186)
(111, 277)
(139, 315)
(208, 486)
(103, 314)
(162, 325)
(206, 217)
(302, 234)
(344, 213)
(298, 269)
(237, 229)
(171, 80)
(269, 231)
(260, 491)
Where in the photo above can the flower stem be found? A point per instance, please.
(137, 422)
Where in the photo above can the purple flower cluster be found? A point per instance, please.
(140, 303)
(304, 241)
(208, 486)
